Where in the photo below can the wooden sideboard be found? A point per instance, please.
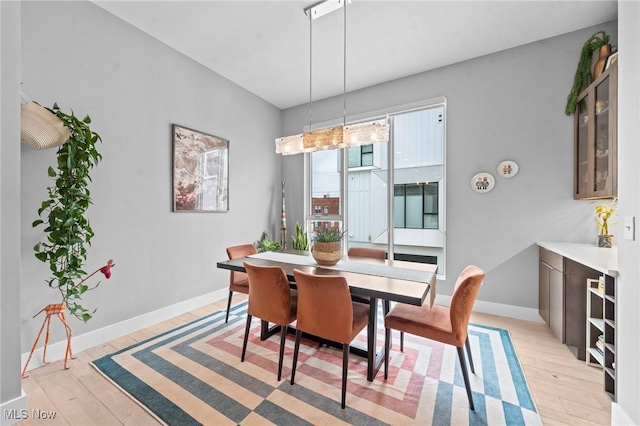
(576, 313)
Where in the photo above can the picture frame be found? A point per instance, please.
(200, 171)
(611, 60)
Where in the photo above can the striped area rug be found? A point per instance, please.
(193, 375)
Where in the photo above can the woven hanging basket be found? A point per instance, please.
(40, 128)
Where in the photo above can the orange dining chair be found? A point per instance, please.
(446, 325)
(270, 299)
(371, 253)
(325, 310)
(238, 280)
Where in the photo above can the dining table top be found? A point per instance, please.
(393, 280)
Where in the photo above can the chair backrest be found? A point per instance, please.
(464, 296)
(371, 253)
(236, 252)
(269, 293)
(324, 306)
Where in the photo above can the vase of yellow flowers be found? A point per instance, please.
(603, 215)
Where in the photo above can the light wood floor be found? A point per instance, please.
(566, 391)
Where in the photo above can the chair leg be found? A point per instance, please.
(296, 349)
(468, 347)
(246, 336)
(387, 347)
(345, 362)
(402, 341)
(465, 376)
(283, 338)
(228, 306)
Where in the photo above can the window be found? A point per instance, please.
(360, 156)
(416, 206)
(403, 178)
(325, 182)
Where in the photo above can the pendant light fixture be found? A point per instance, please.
(341, 136)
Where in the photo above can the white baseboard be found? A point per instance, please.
(619, 417)
(14, 411)
(55, 351)
(509, 311)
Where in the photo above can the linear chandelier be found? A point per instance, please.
(341, 136)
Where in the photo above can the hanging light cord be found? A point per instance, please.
(344, 79)
(310, 63)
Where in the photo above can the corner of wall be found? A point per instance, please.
(14, 411)
(619, 417)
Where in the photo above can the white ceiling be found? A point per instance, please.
(263, 46)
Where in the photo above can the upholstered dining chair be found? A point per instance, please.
(371, 253)
(446, 325)
(270, 299)
(325, 309)
(238, 280)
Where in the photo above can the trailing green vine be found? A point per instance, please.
(583, 77)
(69, 233)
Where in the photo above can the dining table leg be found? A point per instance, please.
(266, 331)
(374, 357)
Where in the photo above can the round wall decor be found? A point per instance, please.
(482, 182)
(507, 169)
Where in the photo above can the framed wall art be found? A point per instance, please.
(200, 171)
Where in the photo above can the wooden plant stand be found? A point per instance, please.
(56, 309)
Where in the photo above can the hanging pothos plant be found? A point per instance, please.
(63, 215)
(584, 77)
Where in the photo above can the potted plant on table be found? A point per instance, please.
(267, 244)
(603, 215)
(300, 240)
(327, 246)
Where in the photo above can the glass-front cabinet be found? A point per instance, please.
(596, 160)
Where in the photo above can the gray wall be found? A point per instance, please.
(508, 105)
(134, 88)
(9, 202)
(628, 300)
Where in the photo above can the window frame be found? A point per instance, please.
(388, 112)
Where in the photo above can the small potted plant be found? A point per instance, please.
(603, 215)
(300, 241)
(327, 246)
(267, 244)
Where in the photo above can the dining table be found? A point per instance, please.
(371, 279)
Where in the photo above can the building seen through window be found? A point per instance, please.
(415, 201)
